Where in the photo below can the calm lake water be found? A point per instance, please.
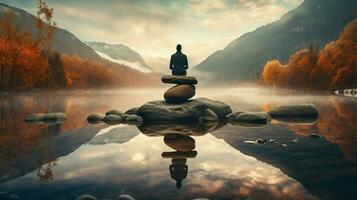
(67, 160)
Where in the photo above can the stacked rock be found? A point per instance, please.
(182, 91)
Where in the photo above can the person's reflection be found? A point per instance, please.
(184, 146)
(178, 170)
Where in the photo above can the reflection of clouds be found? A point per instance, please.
(218, 171)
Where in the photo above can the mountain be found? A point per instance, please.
(313, 22)
(63, 41)
(121, 54)
(159, 64)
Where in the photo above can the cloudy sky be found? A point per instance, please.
(154, 27)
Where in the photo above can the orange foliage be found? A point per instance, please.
(333, 67)
(82, 73)
(29, 63)
(21, 61)
(337, 123)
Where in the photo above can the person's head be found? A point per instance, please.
(178, 47)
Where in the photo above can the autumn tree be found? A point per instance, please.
(46, 29)
(335, 66)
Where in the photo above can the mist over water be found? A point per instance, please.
(66, 160)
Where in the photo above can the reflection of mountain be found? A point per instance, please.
(338, 124)
(64, 41)
(121, 54)
(118, 135)
(312, 162)
(46, 150)
(317, 21)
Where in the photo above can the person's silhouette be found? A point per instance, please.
(178, 62)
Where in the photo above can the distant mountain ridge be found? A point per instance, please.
(314, 21)
(120, 53)
(63, 41)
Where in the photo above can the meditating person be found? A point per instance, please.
(178, 62)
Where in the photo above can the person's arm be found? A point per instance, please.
(171, 63)
(186, 62)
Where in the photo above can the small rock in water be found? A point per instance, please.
(209, 116)
(35, 118)
(316, 136)
(125, 197)
(305, 113)
(114, 112)
(231, 118)
(132, 111)
(271, 141)
(48, 118)
(112, 119)
(250, 142)
(54, 117)
(295, 140)
(95, 118)
(190, 80)
(260, 141)
(86, 197)
(251, 119)
(283, 145)
(179, 93)
(133, 120)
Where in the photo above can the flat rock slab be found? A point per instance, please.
(304, 113)
(190, 111)
(179, 79)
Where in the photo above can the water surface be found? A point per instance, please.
(66, 160)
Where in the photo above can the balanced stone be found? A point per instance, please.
(190, 80)
(179, 93)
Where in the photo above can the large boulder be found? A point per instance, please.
(190, 111)
(190, 80)
(180, 93)
(208, 117)
(305, 113)
(251, 119)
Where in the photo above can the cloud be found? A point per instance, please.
(154, 27)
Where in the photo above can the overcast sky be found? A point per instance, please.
(154, 27)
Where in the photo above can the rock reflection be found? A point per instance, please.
(193, 129)
(184, 146)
